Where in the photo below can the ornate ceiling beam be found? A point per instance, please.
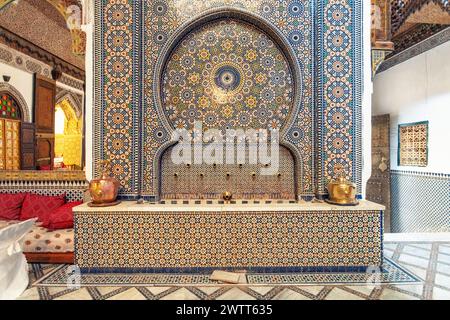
(12, 40)
(403, 9)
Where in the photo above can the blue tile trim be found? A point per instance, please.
(99, 94)
(296, 269)
(358, 85)
(75, 240)
(137, 99)
(128, 197)
(382, 235)
(319, 88)
(424, 174)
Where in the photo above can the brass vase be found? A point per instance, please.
(105, 189)
(342, 192)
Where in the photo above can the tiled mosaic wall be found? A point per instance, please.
(244, 182)
(193, 241)
(420, 202)
(134, 38)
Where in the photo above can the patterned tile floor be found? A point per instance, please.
(428, 260)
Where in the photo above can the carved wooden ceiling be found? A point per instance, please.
(53, 25)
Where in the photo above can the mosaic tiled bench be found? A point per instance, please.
(202, 238)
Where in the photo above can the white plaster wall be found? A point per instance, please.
(22, 81)
(89, 29)
(419, 90)
(367, 100)
(89, 67)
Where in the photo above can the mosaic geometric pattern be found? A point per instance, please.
(420, 202)
(244, 182)
(338, 91)
(413, 144)
(193, 241)
(426, 260)
(227, 74)
(74, 190)
(330, 64)
(166, 18)
(389, 273)
(116, 120)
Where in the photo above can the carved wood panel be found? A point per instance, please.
(28, 146)
(379, 184)
(44, 115)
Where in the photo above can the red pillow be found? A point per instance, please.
(10, 205)
(36, 206)
(62, 218)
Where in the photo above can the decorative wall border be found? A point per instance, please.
(23, 62)
(31, 65)
(25, 175)
(71, 82)
(422, 47)
(342, 38)
(74, 190)
(423, 174)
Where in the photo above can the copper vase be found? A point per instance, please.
(105, 189)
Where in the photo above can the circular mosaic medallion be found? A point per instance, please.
(227, 72)
(227, 78)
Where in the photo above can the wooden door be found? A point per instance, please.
(379, 184)
(28, 146)
(9, 144)
(44, 115)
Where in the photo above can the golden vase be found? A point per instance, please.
(342, 192)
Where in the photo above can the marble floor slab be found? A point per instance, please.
(429, 261)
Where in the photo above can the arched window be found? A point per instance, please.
(10, 121)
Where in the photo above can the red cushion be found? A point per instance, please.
(36, 206)
(62, 218)
(10, 205)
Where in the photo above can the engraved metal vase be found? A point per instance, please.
(105, 189)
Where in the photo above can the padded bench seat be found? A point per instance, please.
(41, 240)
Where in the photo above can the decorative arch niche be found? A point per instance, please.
(251, 23)
(68, 143)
